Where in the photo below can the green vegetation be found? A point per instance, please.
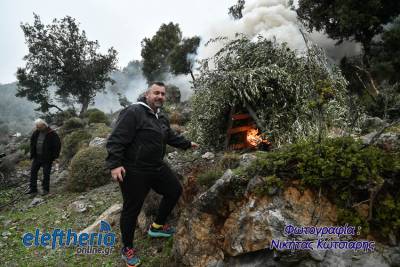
(60, 55)
(346, 171)
(96, 116)
(293, 97)
(55, 213)
(73, 142)
(87, 169)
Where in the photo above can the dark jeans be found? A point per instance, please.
(46, 165)
(135, 187)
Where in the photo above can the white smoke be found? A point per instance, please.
(274, 20)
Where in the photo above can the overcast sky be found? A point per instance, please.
(118, 23)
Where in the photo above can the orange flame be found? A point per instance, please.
(254, 138)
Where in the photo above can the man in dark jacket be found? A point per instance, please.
(136, 148)
(45, 148)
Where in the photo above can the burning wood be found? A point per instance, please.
(255, 139)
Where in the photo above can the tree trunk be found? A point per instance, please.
(85, 105)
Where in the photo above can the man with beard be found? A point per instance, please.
(136, 148)
(45, 147)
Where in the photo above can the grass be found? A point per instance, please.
(54, 213)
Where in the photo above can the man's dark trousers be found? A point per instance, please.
(46, 165)
(135, 187)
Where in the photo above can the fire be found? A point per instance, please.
(254, 138)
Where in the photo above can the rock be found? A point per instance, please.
(318, 255)
(223, 191)
(7, 222)
(254, 183)
(366, 139)
(247, 159)
(98, 142)
(219, 226)
(172, 155)
(78, 206)
(110, 215)
(58, 178)
(373, 124)
(208, 155)
(35, 202)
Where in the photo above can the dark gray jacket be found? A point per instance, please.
(139, 139)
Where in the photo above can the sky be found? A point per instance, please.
(119, 23)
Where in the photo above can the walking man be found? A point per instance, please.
(45, 148)
(136, 148)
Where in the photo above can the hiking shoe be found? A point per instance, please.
(130, 257)
(164, 231)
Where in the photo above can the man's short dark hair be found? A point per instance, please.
(157, 83)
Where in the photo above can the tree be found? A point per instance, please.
(349, 19)
(181, 57)
(166, 52)
(236, 10)
(61, 56)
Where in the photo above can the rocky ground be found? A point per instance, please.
(221, 220)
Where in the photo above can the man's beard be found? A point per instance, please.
(158, 104)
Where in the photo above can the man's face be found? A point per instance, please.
(40, 126)
(155, 96)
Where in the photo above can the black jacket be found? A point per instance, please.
(139, 139)
(51, 145)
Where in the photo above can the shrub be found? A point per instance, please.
(98, 117)
(99, 130)
(208, 177)
(348, 172)
(60, 117)
(73, 142)
(87, 169)
(71, 125)
(26, 146)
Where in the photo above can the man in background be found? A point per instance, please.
(45, 147)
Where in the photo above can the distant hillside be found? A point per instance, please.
(16, 114)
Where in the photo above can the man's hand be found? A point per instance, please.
(118, 174)
(194, 145)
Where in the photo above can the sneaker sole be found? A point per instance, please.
(137, 264)
(130, 265)
(156, 234)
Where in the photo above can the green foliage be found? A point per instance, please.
(351, 217)
(26, 147)
(230, 160)
(208, 177)
(271, 185)
(167, 51)
(348, 20)
(388, 214)
(60, 55)
(276, 83)
(217, 169)
(343, 167)
(97, 116)
(73, 142)
(60, 117)
(71, 125)
(87, 169)
(99, 130)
